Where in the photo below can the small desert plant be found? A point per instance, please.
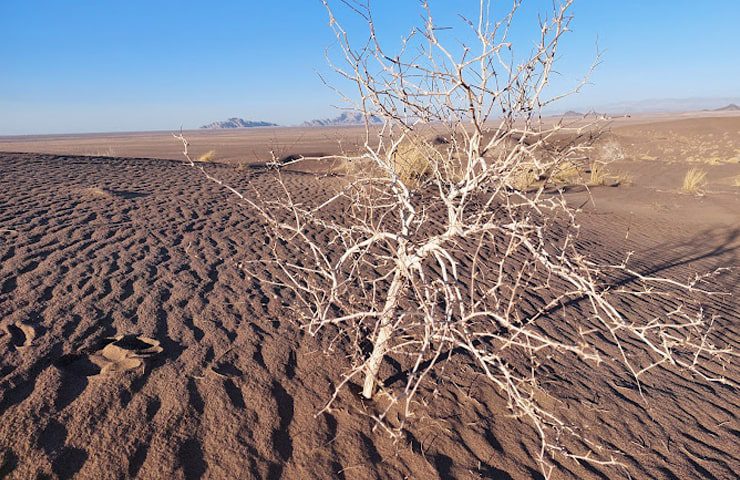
(207, 157)
(694, 181)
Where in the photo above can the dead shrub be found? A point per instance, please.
(472, 265)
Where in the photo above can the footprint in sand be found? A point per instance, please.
(21, 335)
(119, 354)
(125, 352)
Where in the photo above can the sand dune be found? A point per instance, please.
(134, 346)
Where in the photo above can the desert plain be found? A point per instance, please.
(133, 344)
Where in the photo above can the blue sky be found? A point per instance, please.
(83, 66)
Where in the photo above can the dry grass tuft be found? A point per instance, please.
(98, 192)
(208, 156)
(623, 178)
(598, 174)
(567, 173)
(694, 181)
(524, 179)
(108, 152)
(413, 163)
(601, 176)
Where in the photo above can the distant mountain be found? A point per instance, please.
(728, 108)
(654, 105)
(238, 123)
(589, 114)
(345, 119)
(668, 105)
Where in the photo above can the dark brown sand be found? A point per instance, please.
(133, 346)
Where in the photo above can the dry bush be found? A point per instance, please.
(694, 181)
(209, 156)
(463, 246)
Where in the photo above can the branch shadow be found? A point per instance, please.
(721, 245)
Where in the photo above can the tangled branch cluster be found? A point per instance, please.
(442, 246)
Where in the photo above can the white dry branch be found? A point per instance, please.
(454, 235)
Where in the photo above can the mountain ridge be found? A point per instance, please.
(732, 107)
(344, 119)
(236, 122)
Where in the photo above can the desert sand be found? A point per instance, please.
(133, 345)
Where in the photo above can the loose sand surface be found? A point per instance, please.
(132, 344)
